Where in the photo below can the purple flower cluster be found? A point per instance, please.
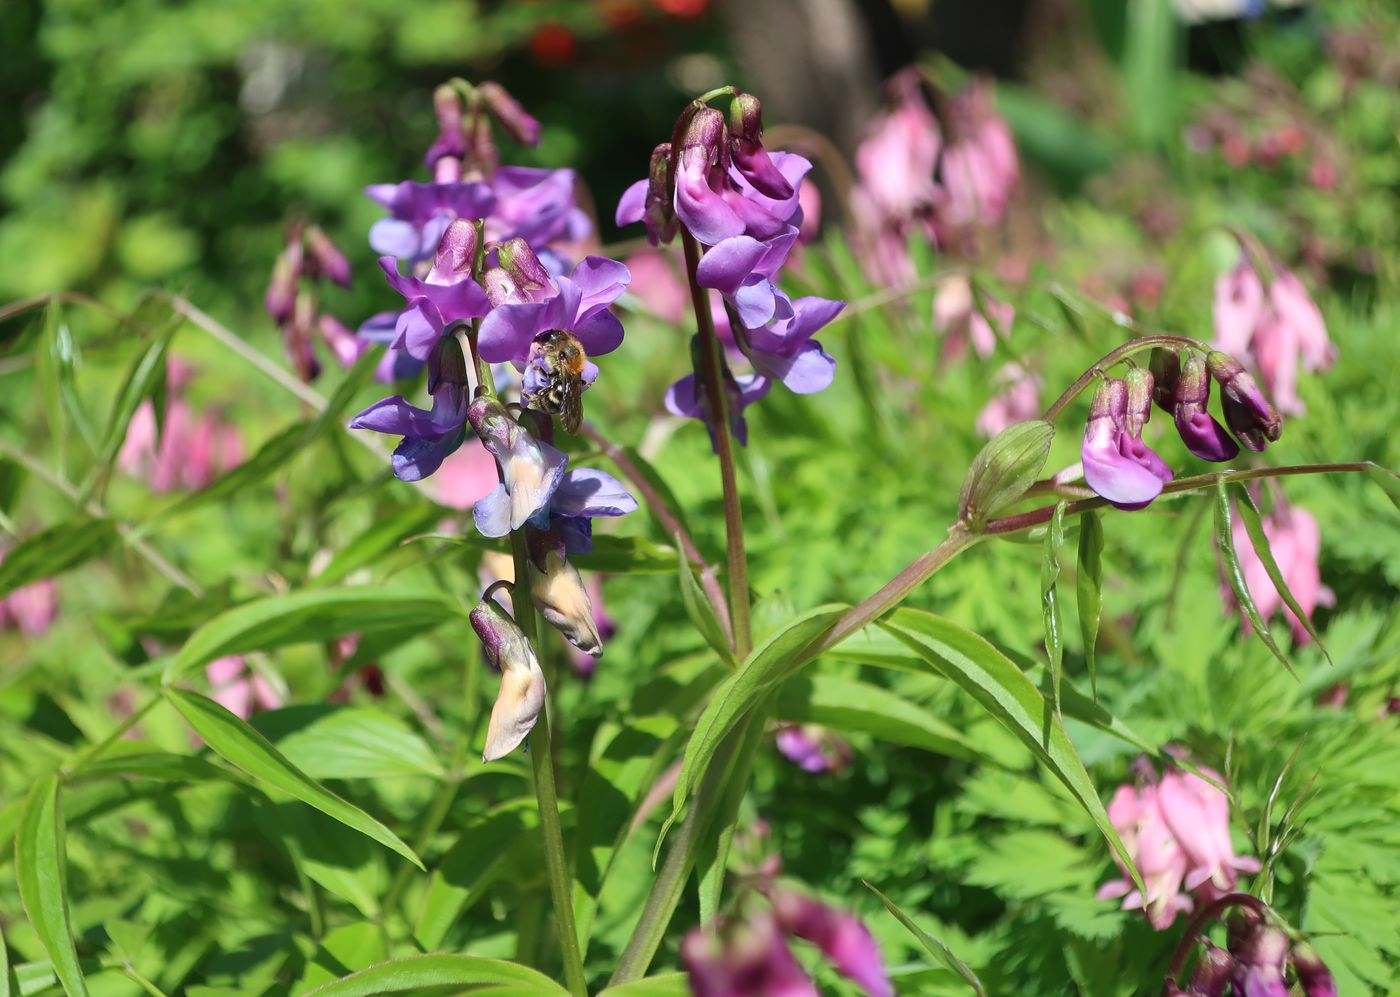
(1120, 467)
(1256, 960)
(740, 202)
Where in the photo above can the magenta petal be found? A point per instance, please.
(702, 210)
(418, 329)
(1206, 438)
(725, 266)
(632, 205)
(507, 331)
(810, 370)
(1120, 478)
(682, 399)
(396, 417)
(599, 334)
(600, 280)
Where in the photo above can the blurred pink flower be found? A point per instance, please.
(896, 160)
(1018, 401)
(749, 958)
(1278, 328)
(842, 937)
(235, 687)
(192, 451)
(466, 476)
(1296, 543)
(980, 166)
(30, 609)
(656, 283)
(813, 748)
(809, 199)
(1159, 859)
(1198, 814)
(956, 315)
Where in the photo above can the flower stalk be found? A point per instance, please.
(1112, 357)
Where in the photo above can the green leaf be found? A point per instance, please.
(862, 708)
(1148, 63)
(1011, 698)
(331, 854)
(1089, 590)
(161, 765)
(6, 990)
(419, 972)
(1254, 526)
(1389, 482)
(49, 380)
(934, 946)
(1003, 470)
(667, 985)
(56, 550)
(702, 613)
(348, 742)
(1050, 599)
(626, 555)
(310, 615)
(712, 859)
(737, 695)
(387, 532)
(39, 867)
(248, 751)
(1234, 574)
(144, 379)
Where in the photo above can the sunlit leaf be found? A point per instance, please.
(669, 985)
(1050, 612)
(56, 550)
(1089, 590)
(40, 867)
(248, 751)
(862, 708)
(933, 946)
(348, 742)
(420, 972)
(1234, 574)
(702, 613)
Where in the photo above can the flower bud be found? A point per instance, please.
(1259, 949)
(330, 261)
(456, 253)
(1202, 435)
(1313, 975)
(746, 148)
(281, 296)
(522, 127)
(450, 143)
(448, 372)
(842, 938)
(518, 274)
(1139, 410)
(659, 212)
(522, 692)
(559, 593)
(700, 177)
(1166, 369)
(530, 471)
(1212, 972)
(1248, 413)
(346, 346)
(1003, 470)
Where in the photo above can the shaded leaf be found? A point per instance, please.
(348, 742)
(162, 765)
(39, 867)
(1089, 590)
(56, 550)
(702, 613)
(862, 708)
(247, 750)
(422, 971)
(311, 615)
(626, 555)
(144, 379)
(387, 532)
(1234, 573)
(668, 985)
(1050, 612)
(934, 946)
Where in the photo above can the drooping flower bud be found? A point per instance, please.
(748, 957)
(530, 471)
(1139, 410)
(559, 592)
(346, 346)
(456, 253)
(700, 178)
(450, 144)
(518, 275)
(1117, 465)
(522, 692)
(330, 261)
(842, 938)
(1259, 950)
(1212, 973)
(281, 295)
(1248, 413)
(1313, 975)
(746, 148)
(520, 125)
(1202, 435)
(1166, 369)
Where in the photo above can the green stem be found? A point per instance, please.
(712, 367)
(541, 751)
(131, 720)
(1112, 357)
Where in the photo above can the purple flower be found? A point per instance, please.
(446, 295)
(785, 351)
(813, 748)
(1202, 435)
(536, 303)
(531, 471)
(701, 181)
(428, 436)
(419, 213)
(746, 151)
(842, 938)
(536, 205)
(742, 269)
(1259, 950)
(650, 200)
(1313, 975)
(1248, 413)
(583, 495)
(749, 958)
(687, 398)
(1117, 464)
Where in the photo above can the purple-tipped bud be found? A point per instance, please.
(1212, 973)
(749, 957)
(842, 938)
(330, 261)
(559, 592)
(1259, 952)
(456, 253)
(700, 177)
(1139, 410)
(519, 125)
(1166, 369)
(522, 693)
(746, 148)
(450, 143)
(346, 346)
(447, 373)
(1313, 975)
(517, 276)
(650, 200)
(1118, 465)
(1202, 435)
(281, 296)
(1248, 413)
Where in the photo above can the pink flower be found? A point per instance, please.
(1296, 543)
(813, 748)
(896, 160)
(842, 937)
(1159, 859)
(1278, 327)
(239, 690)
(657, 285)
(466, 476)
(30, 609)
(1198, 814)
(1018, 401)
(956, 315)
(193, 449)
(749, 959)
(980, 166)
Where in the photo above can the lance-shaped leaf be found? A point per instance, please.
(39, 866)
(144, 379)
(1254, 526)
(702, 613)
(1089, 590)
(935, 947)
(56, 550)
(863, 708)
(448, 973)
(1050, 611)
(993, 679)
(247, 750)
(1234, 574)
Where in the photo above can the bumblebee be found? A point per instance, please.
(559, 358)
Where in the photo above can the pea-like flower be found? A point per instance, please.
(842, 937)
(531, 471)
(1189, 395)
(522, 692)
(1296, 543)
(747, 957)
(558, 591)
(1259, 949)
(1118, 465)
(688, 398)
(1198, 815)
(1248, 413)
(743, 269)
(1137, 817)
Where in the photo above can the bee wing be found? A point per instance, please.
(571, 404)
